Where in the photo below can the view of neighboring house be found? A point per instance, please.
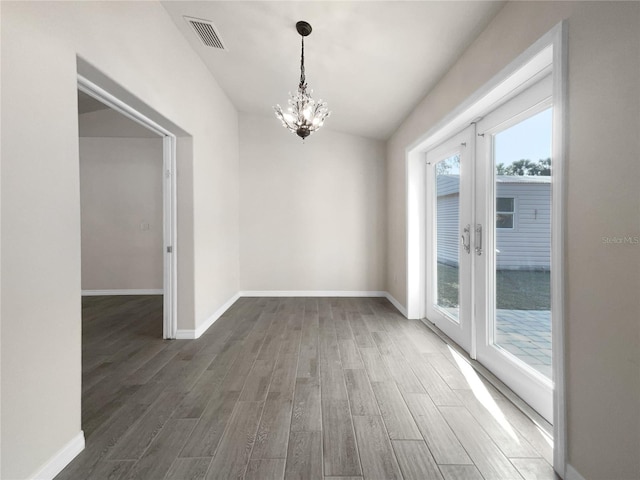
(523, 215)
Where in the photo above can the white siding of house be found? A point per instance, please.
(527, 246)
(447, 215)
(448, 184)
(448, 229)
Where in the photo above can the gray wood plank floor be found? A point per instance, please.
(290, 388)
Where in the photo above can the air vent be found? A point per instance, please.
(206, 32)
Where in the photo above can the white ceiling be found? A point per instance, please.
(371, 61)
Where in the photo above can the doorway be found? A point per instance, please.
(166, 228)
(546, 57)
(489, 214)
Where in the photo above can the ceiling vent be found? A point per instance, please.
(206, 32)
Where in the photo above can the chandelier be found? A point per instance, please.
(303, 115)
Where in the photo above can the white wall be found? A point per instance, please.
(121, 212)
(137, 46)
(312, 214)
(603, 174)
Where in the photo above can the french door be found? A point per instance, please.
(489, 243)
(450, 173)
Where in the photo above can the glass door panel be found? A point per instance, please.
(447, 205)
(449, 183)
(521, 324)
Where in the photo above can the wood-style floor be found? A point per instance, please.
(294, 388)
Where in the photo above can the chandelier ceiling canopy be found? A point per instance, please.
(304, 115)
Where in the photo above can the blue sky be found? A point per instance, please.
(529, 139)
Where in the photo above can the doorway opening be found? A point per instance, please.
(128, 192)
(466, 222)
(488, 241)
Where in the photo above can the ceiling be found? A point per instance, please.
(371, 61)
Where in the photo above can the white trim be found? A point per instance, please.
(572, 474)
(61, 459)
(87, 86)
(416, 213)
(128, 291)
(312, 293)
(170, 226)
(558, 191)
(169, 198)
(396, 303)
(186, 334)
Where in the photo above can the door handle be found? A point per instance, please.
(478, 239)
(467, 244)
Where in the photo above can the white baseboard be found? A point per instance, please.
(571, 473)
(325, 293)
(187, 334)
(396, 304)
(130, 291)
(61, 459)
(311, 293)
(184, 334)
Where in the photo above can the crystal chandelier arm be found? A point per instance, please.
(282, 116)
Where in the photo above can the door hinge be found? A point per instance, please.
(169, 249)
(167, 173)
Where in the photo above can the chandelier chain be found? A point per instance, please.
(303, 79)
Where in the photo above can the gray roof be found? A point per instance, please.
(522, 179)
(501, 178)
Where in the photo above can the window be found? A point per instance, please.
(505, 211)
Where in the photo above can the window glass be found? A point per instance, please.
(504, 204)
(504, 212)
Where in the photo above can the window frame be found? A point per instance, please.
(512, 228)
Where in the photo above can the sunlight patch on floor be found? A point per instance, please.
(482, 394)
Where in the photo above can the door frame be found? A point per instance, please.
(548, 52)
(169, 199)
